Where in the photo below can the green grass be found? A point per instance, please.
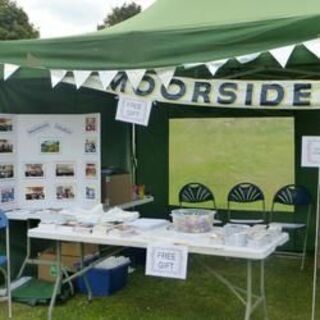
(223, 152)
(200, 297)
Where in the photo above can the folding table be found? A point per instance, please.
(199, 244)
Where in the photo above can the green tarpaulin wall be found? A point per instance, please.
(17, 95)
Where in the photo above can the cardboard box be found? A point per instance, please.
(72, 249)
(116, 189)
(49, 272)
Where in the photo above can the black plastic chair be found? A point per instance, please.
(246, 192)
(195, 192)
(294, 195)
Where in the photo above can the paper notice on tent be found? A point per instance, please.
(166, 260)
(311, 152)
(134, 110)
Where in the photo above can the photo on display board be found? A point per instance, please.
(35, 193)
(6, 146)
(91, 193)
(6, 171)
(34, 170)
(6, 125)
(91, 170)
(90, 145)
(7, 195)
(65, 192)
(91, 124)
(50, 146)
(65, 170)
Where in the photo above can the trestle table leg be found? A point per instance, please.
(249, 291)
(57, 286)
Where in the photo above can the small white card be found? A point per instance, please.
(168, 261)
(134, 110)
(311, 152)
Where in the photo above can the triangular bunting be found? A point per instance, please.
(57, 76)
(248, 57)
(165, 75)
(282, 55)
(80, 77)
(106, 77)
(135, 76)
(214, 66)
(9, 70)
(313, 46)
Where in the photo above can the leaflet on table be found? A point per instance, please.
(55, 161)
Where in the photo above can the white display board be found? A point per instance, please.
(49, 161)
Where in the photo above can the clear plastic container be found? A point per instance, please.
(193, 220)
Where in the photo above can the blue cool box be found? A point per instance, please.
(104, 282)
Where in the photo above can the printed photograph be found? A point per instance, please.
(91, 170)
(6, 125)
(6, 146)
(35, 193)
(50, 146)
(65, 170)
(6, 171)
(65, 192)
(90, 146)
(91, 124)
(7, 195)
(90, 193)
(34, 170)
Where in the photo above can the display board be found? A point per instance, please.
(49, 161)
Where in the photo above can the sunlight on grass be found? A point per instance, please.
(223, 152)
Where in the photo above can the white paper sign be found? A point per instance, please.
(168, 261)
(134, 110)
(311, 152)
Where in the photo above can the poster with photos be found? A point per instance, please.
(48, 161)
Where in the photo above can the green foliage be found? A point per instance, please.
(120, 14)
(14, 22)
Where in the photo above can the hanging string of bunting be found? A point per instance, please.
(164, 86)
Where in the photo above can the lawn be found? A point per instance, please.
(200, 297)
(223, 152)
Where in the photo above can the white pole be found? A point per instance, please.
(316, 249)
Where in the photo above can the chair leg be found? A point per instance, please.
(304, 248)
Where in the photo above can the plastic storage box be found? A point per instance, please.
(104, 282)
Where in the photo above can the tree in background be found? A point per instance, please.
(120, 14)
(14, 22)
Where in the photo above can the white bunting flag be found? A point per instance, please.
(80, 77)
(106, 77)
(248, 57)
(9, 70)
(283, 54)
(214, 66)
(313, 46)
(57, 76)
(135, 76)
(165, 75)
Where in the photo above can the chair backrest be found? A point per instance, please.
(3, 220)
(195, 192)
(292, 195)
(245, 192)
